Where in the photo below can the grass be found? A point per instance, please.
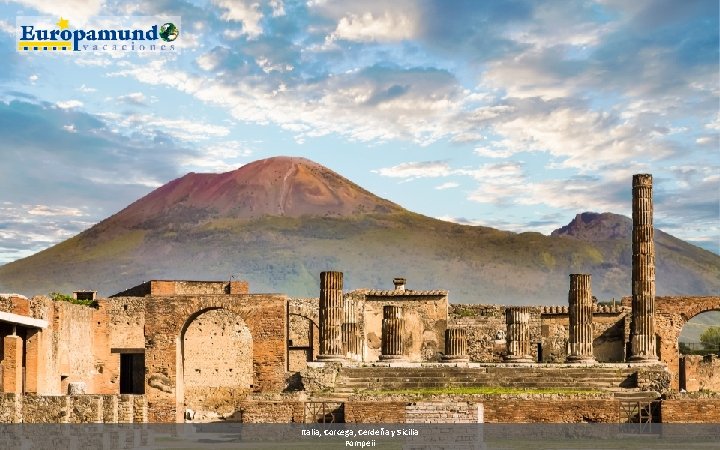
(484, 390)
(58, 297)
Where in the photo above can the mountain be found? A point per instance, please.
(279, 222)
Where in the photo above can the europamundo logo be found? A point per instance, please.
(101, 34)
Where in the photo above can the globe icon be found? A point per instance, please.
(169, 32)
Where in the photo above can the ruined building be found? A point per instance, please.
(173, 351)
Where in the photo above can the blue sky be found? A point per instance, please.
(511, 114)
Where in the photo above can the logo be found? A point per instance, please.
(100, 34)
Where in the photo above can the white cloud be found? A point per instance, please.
(75, 10)
(187, 130)
(278, 7)
(243, 11)
(412, 170)
(70, 128)
(134, 98)
(218, 157)
(368, 27)
(44, 210)
(7, 27)
(448, 185)
(86, 89)
(69, 104)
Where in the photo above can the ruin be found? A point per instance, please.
(204, 351)
(642, 326)
(517, 337)
(580, 340)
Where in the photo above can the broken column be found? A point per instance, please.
(642, 325)
(393, 329)
(351, 332)
(455, 345)
(332, 315)
(580, 316)
(517, 338)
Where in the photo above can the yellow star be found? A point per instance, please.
(63, 23)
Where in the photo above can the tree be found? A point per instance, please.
(710, 338)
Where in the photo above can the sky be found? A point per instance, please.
(511, 114)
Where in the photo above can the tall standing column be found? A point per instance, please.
(517, 319)
(580, 315)
(642, 325)
(455, 345)
(332, 315)
(393, 330)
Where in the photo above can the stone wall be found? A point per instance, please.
(184, 287)
(689, 408)
(218, 361)
(127, 322)
(73, 348)
(303, 332)
(425, 322)
(269, 412)
(698, 373)
(529, 408)
(443, 412)
(609, 333)
(166, 320)
(71, 409)
(485, 325)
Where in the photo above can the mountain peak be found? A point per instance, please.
(278, 186)
(592, 226)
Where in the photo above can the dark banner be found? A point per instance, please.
(353, 436)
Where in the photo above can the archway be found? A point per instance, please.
(672, 313)
(217, 364)
(690, 342)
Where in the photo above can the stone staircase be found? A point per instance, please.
(358, 379)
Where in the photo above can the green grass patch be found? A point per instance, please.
(59, 297)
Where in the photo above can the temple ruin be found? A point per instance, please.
(204, 351)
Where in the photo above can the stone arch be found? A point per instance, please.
(216, 368)
(168, 317)
(671, 315)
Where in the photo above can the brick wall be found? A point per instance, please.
(375, 411)
(166, 320)
(443, 412)
(679, 408)
(269, 412)
(700, 373)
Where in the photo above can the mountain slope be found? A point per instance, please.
(279, 222)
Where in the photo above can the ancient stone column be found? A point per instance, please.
(393, 329)
(517, 319)
(581, 316)
(642, 325)
(455, 345)
(332, 315)
(351, 331)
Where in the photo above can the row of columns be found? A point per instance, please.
(339, 334)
